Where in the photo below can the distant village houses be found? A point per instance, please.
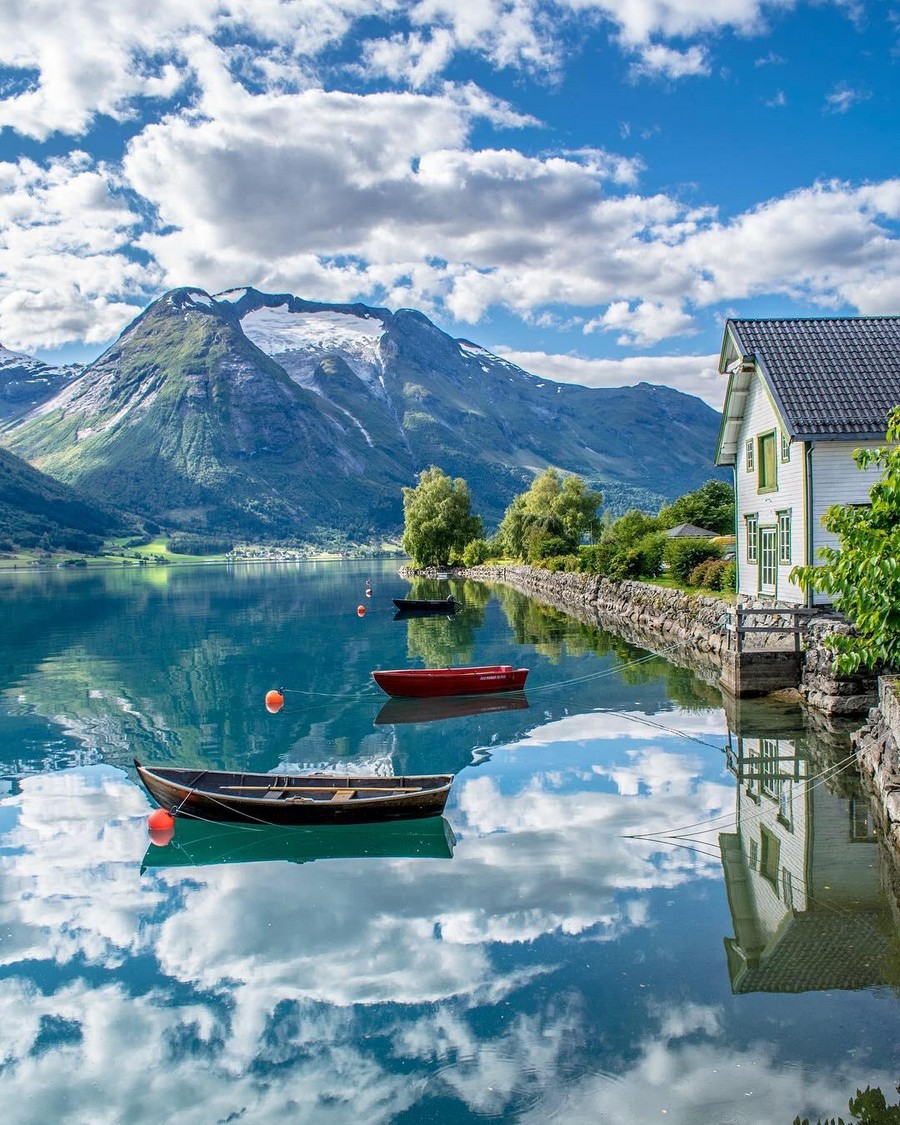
(802, 395)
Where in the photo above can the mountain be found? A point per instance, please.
(26, 382)
(38, 511)
(269, 416)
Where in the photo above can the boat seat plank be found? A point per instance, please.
(343, 794)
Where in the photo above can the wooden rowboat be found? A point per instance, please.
(428, 682)
(265, 798)
(422, 606)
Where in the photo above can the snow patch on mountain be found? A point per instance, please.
(300, 340)
(6, 356)
(489, 362)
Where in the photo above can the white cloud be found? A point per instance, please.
(843, 98)
(645, 323)
(640, 20)
(657, 60)
(95, 57)
(65, 270)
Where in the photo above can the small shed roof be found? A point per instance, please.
(690, 531)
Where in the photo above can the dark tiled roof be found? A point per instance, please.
(821, 951)
(690, 531)
(831, 376)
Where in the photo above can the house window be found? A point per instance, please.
(784, 537)
(752, 525)
(769, 855)
(768, 766)
(768, 565)
(785, 447)
(768, 463)
(787, 888)
(749, 456)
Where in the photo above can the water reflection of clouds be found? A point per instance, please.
(593, 726)
(264, 972)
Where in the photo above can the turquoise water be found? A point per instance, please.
(636, 908)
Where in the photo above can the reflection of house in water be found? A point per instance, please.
(801, 871)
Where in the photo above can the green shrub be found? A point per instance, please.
(683, 555)
(569, 564)
(713, 574)
(543, 545)
(475, 552)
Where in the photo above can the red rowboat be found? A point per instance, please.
(427, 682)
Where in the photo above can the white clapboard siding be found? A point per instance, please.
(837, 479)
(759, 418)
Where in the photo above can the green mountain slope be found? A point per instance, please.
(36, 510)
(267, 416)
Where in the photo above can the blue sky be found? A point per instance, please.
(589, 187)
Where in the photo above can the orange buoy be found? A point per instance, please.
(161, 820)
(360, 611)
(161, 837)
(274, 701)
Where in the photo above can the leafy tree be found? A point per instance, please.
(550, 518)
(513, 527)
(863, 572)
(438, 519)
(711, 506)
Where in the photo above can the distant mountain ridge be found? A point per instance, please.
(26, 382)
(269, 416)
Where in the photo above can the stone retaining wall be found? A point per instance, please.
(876, 745)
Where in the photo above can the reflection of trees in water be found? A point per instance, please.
(442, 640)
(555, 634)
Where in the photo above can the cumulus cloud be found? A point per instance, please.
(66, 271)
(666, 62)
(693, 374)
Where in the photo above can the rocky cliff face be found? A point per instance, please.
(270, 416)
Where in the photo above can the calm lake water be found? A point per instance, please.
(637, 907)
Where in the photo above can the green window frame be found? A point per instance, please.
(769, 855)
(749, 453)
(785, 446)
(767, 480)
(784, 537)
(751, 524)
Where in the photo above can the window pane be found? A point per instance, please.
(752, 527)
(767, 464)
(784, 537)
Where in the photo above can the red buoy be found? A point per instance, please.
(161, 837)
(274, 701)
(360, 611)
(160, 820)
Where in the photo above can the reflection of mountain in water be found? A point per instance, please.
(172, 664)
(199, 843)
(802, 869)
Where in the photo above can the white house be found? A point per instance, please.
(802, 396)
